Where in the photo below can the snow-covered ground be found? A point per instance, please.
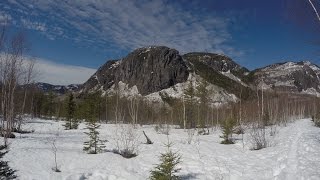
(294, 154)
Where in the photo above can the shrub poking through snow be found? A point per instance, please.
(258, 137)
(94, 145)
(162, 129)
(317, 123)
(167, 169)
(190, 135)
(316, 120)
(6, 173)
(126, 139)
(228, 127)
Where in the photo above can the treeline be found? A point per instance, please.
(194, 109)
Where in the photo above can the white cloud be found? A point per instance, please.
(128, 24)
(61, 74)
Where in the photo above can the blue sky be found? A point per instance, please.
(87, 33)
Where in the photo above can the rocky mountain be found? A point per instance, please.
(154, 71)
(294, 77)
(158, 71)
(149, 69)
(220, 70)
(58, 89)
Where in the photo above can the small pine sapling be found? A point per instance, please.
(227, 129)
(94, 145)
(167, 169)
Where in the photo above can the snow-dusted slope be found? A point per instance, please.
(58, 89)
(294, 154)
(216, 95)
(290, 76)
(150, 71)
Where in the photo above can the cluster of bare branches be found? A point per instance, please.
(127, 140)
(15, 71)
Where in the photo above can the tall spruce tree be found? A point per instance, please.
(167, 169)
(50, 104)
(71, 122)
(94, 145)
(6, 173)
(189, 94)
(202, 93)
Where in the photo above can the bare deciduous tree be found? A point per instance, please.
(15, 71)
(28, 78)
(133, 107)
(11, 72)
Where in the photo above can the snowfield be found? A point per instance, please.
(294, 153)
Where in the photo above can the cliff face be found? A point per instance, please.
(157, 68)
(149, 69)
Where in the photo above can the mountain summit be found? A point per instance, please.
(157, 70)
(150, 69)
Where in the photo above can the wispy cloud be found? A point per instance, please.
(125, 24)
(38, 26)
(4, 18)
(61, 74)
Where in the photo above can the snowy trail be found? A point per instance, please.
(294, 154)
(302, 137)
(292, 163)
(289, 168)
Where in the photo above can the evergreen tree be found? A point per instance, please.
(94, 145)
(167, 169)
(49, 104)
(6, 173)
(202, 93)
(189, 94)
(71, 122)
(227, 129)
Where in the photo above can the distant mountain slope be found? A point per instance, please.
(221, 71)
(292, 77)
(58, 89)
(149, 70)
